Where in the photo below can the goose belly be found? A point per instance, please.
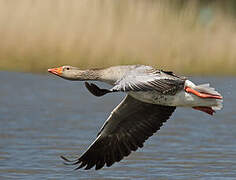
(153, 97)
(181, 98)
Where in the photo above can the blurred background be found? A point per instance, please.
(43, 117)
(186, 36)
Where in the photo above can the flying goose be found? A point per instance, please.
(152, 96)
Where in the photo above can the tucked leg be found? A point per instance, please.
(207, 110)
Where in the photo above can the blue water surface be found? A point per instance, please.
(43, 117)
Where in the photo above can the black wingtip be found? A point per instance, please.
(70, 162)
(95, 90)
(81, 165)
(67, 160)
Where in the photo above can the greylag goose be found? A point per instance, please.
(152, 96)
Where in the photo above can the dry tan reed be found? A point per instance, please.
(37, 34)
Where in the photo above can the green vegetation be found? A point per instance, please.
(189, 38)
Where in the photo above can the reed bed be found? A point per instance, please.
(36, 35)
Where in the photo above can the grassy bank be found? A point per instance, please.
(36, 35)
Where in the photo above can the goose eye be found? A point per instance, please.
(67, 68)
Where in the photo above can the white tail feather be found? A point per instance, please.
(210, 90)
(205, 88)
(218, 106)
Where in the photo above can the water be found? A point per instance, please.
(43, 117)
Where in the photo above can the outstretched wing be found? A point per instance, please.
(164, 82)
(126, 129)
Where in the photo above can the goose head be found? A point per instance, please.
(74, 73)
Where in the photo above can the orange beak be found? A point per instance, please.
(57, 71)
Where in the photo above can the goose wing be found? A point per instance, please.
(126, 129)
(95, 90)
(149, 79)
